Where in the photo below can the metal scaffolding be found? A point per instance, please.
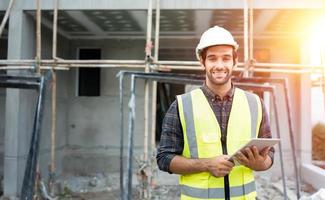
(253, 83)
(32, 83)
(152, 64)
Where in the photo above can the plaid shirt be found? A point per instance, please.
(172, 142)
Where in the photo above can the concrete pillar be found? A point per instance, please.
(310, 173)
(305, 119)
(305, 143)
(20, 104)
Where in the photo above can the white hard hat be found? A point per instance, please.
(215, 36)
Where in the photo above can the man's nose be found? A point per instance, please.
(219, 65)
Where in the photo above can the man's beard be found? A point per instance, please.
(214, 74)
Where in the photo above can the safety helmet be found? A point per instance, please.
(215, 36)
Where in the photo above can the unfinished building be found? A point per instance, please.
(80, 46)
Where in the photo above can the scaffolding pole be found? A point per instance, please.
(246, 47)
(251, 39)
(52, 174)
(38, 36)
(251, 31)
(5, 18)
(154, 100)
(144, 167)
(141, 63)
(162, 68)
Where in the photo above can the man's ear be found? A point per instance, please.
(202, 63)
(235, 64)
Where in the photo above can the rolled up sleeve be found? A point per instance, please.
(171, 141)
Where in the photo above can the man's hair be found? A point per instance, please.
(204, 55)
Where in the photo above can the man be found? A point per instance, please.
(203, 127)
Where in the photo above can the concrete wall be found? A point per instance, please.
(19, 104)
(93, 122)
(62, 105)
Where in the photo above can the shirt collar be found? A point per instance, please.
(209, 93)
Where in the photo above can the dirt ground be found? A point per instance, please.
(266, 190)
(166, 192)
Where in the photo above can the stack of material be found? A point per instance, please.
(318, 142)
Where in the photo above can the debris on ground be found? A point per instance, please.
(319, 195)
(102, 186)
(107, 187)
(268, 188)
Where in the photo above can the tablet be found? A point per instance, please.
(260, 143)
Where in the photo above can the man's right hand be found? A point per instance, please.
(220, 166)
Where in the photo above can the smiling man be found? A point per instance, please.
(202, 127)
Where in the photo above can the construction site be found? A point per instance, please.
(85, 86)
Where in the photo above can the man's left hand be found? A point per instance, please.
(253, 159)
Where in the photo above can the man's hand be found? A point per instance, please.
(220, 166)
(251, 158)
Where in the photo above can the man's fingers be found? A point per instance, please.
(224, 171)
(265, 151)
(241, 157)
(249, 153)
(255, 151)
(228, 163)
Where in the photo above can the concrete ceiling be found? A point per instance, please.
(92, 24)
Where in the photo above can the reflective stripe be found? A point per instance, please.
(217, 193)
(189, 121)
(253, 107)
(198, 192)
(242, 190)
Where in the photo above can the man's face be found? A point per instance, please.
(218, 64)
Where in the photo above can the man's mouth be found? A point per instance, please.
(220, 74)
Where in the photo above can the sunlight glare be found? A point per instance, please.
(317, 41)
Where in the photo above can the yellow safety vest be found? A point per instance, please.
(202, 139)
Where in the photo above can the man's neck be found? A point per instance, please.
(220, 90)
